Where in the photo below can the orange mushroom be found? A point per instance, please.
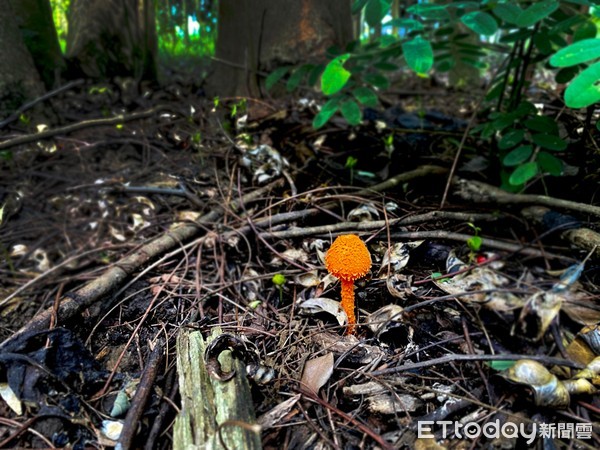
(348, 259)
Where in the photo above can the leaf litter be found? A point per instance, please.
(445, 332)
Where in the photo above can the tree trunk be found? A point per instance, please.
(260, 35)
(19, 79)
(34, 18)
(109, 38)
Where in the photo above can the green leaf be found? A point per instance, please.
(566, 74)
(429, 11)
(584, 90)
(314, 74)
(418, 54)
(358, 5)
(501, 364)
(510, 139)
(536, 12)
(296, 78)
(366, 96)
(577, 53)
(275, 76)
(494, 92)
(408, 24)
(524, 108)
(550, 163)
(376, 10)
(474, 63)
(549, 141)
(503, 121)
(474, 243)
(351, 162)
(586, 30)
(565, 23)
(278, 279)
(327, 111)
(480, 22)
(508, 12)
(514, 36)
(518, 155)
(351, 112)
(523, 174)
(377, 80)
(444, 65)
(335, 77)
(542, 42)
(542, 124)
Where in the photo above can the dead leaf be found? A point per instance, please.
(317, 372)
(318, 305)
(278, 413)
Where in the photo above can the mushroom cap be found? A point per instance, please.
(348, 258)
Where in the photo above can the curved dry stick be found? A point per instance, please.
(80, 125)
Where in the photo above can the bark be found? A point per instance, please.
(260, 35)
(19, 80)
(109, 38)
(34, 18)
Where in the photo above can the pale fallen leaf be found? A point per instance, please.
(13, 402)
(278, 413)
(318, 305)
(317, 372)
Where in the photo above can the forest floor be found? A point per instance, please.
(120, 233)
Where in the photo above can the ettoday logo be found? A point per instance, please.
(494, 430)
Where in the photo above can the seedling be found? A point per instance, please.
(474, 242)
(350, 164)
(279, 280)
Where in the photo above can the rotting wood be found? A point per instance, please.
(212, 412)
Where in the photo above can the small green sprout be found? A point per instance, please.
(351, 164)
(279, 280)
(474, 242)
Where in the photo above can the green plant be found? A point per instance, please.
(351, 162)
(238, 108)
(583, 89)
(474, 242)
(279, 280)
(462, 38)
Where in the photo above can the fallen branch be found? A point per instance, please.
(122, 118)
(14, 116)
(448, 359)
(570, 230)
(485, 242)
(376, 224)
(476, 191)
(142, 394)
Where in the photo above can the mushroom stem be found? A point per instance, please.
(348, 304)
